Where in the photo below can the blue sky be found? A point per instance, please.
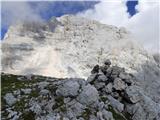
(131, 7)
(55, 9)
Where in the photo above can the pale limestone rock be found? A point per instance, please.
(69, 88)
(107, 115)
(44, 92)
(108, 88)
(26, 91)
(133, 94)
(119, 84)
(116, 104)
(88, 96)
(84, 48)
(72, 49)
(10, 99)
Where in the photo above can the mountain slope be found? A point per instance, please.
(109, 93)
(70, 46)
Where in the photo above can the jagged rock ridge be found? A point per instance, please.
(108, 94)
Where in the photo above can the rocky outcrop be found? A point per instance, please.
(51, 99)
(121, 89)
(76, 43)
(70, 46)
(109, 93)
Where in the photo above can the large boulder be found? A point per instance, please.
(89, 95)
(116, 104)
(68, 88)
(10, 99)
(119, 84)
(108, 88)
(146, 109)
(133, 94)
(107, 115)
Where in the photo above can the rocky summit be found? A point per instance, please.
(93, 72)
(109, 93)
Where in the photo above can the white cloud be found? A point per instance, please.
(13, 12)
(144, 25)
(113, 13)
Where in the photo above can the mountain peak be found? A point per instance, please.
(70, 39)
(70, 46)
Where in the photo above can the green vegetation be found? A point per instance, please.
(59, 102)
(86, 114)
(103, 98)
(128, 116)
(10, 83)
(116, 116)
(52, 88)
(34, 93)
(20, 105)
(63, 108)
(28, 116)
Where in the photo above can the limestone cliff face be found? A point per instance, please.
(70, 46)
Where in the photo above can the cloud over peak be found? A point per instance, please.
(144, 25)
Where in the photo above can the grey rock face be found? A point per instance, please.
(98, 98)
(107, 62)
(116, 104)
(107, 115)
(26, 91)
(108, 88)
(69, 88)
(126, 77)
(151, 109)
(99, 116)
(116, 71)
(10, 99)
(99, 85)
(44, 92)
(91, 78)
(133, 94)
(157, 58)
(95, 69)
(119, 84)
(42, 85)
(88, 96)
(144, 110)
(36, 108)
(102, 78)
(101, 105)
(77, 108)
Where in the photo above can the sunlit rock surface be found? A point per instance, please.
(68, 46)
